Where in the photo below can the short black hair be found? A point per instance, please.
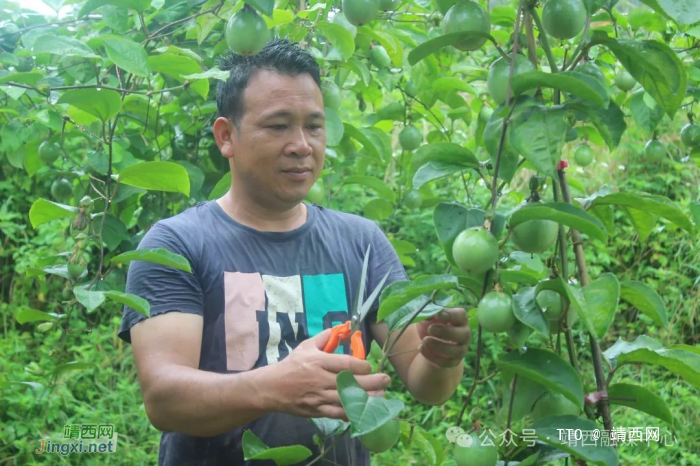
(278, 55)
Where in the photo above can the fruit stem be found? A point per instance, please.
(544, 40)
(584, 280)
(580, 49)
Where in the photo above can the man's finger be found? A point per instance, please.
(445, 350)
(460, 334)
(454, 316)
(336, 363)
(374, 382)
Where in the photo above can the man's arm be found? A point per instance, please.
(179, 397)
(431, 371)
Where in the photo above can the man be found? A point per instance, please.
(237, 344)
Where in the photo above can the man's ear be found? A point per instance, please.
(225, 136)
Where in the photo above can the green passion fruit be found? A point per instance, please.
(246, 32)
(412, 199)
(624, 81)
(497, 80)
(534, 236)
(469, 451)
(583, 156)
(467, 16)
(690, 135)
(475, 250)
(551, 303)
(61, 189)
(332, 95)
(317, 193)
(359, 12)
(654, 150)
(563, 19)
(49, 152)
(410, 138)
(389, 5)
(383, 437)
(554, 404)
(75, 270)
(495, 312)
(379, 57)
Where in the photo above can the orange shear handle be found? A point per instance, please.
(340, 332)
(357, 347)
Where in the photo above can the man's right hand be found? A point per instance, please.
(307, 379)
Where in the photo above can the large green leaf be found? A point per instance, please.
(334, 128)
(545, 368)
(560, 212)
(43, 211)
(88, 298)
(30, 78)
(373, 183)
(434, 45)
(648, 118)
(378, 209)
(646, 299)
(63, 46)
(654, 65)
(255, 449)
(102, 103)
(265, 7)
(679, 360)
(443, 153)
(578, 84)
(552, 430)
(538, 133)
(157, 255)
(339, 37)
(610, 122)
(401, 316)
(178, 66)
(641, 399)
(364, 412)
(156, 176)
(392, 299)
(681, 11)
(127, 54)
(362, 138)
(644, 209)
(136, 303)
(90, 5)
(431, 171)
(25, 315)
(526, 310)
(222, 186)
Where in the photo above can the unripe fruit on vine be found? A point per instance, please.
(554, 404)
(495, 312)
(75, 270)
(389, 5)
(497, 80)
(624, 81)
(535, 236)
(61, 189)
(485, 113)
(379, 57)
(551, 304)
(654, 150)
(412, 199)
(475, 250)
(25, 64)
(445, 5)
(49, 152)
(382, 438)
(359, 12)
(583, 156)
(475, 454)
(332, 95)
(563, 19)
(246, 32)
(690, 135)
(410, 138)
(317, 193)
(467, 16)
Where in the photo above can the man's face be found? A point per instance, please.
(277, 152)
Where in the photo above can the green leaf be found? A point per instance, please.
(442, 154)
(373, 183)
(392, 299)
(695, 211)
(545, 368)
(429, 447)
(538, 134)
(680, 361)
(395, 111)
(561, 212)
(371, 148)
(222, 186)
(526, 310)
(434, 45)
(103, 103)
(378, 209)
(73, 366)
(593, 5)
(178, 66)
(114, 232)
(434, 170)
(157, 256)
(401, 316)
(43, 211)
(681, 11)
(334, 127)
(62, 45)
(548, 430)
(447, 85)
(90, 299)
(339, 37)
(647, 118)
(255, 449)
(265, 7)
(127, 54)
(364, 412)
(157, 176)
(360, 69)
(644, 209)
(211, 73)
(138, 5)
(328, 427)
(578, 84)
(641, 399)
(25, 315)
(610, 122)
(136, 303)
(644, 298)
(654, 65)
(30, 78)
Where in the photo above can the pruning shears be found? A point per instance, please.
(350, 329)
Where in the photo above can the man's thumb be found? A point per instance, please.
(321, 339)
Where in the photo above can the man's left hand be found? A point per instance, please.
(445, 337)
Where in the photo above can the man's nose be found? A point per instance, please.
(299, 144)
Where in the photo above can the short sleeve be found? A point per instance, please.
(383, 258)
(166, 289)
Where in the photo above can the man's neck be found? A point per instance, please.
(261, 218)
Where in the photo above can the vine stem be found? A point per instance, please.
(545, 42)
(585, 280)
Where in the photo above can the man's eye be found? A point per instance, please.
(278, 127)
(315, 127)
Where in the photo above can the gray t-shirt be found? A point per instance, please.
(260, 294)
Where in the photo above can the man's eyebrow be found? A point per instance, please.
(287, 113)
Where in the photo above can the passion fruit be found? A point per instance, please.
(583, 156)
(495, 312)
(389, 5)
(359, 12)
(317, 193)
(554, 404)
(475, 250)
(61, 189)
(379, 57)
(654, 150)
(412, 199)
(624, 81)
(690, 135)
(49, 152)
(497, 80)
(467, 16)
(410, 138)
(535, 236)
(563, 19)
(469, 451)
(383, 437)
(246, 32)
(332, 95)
